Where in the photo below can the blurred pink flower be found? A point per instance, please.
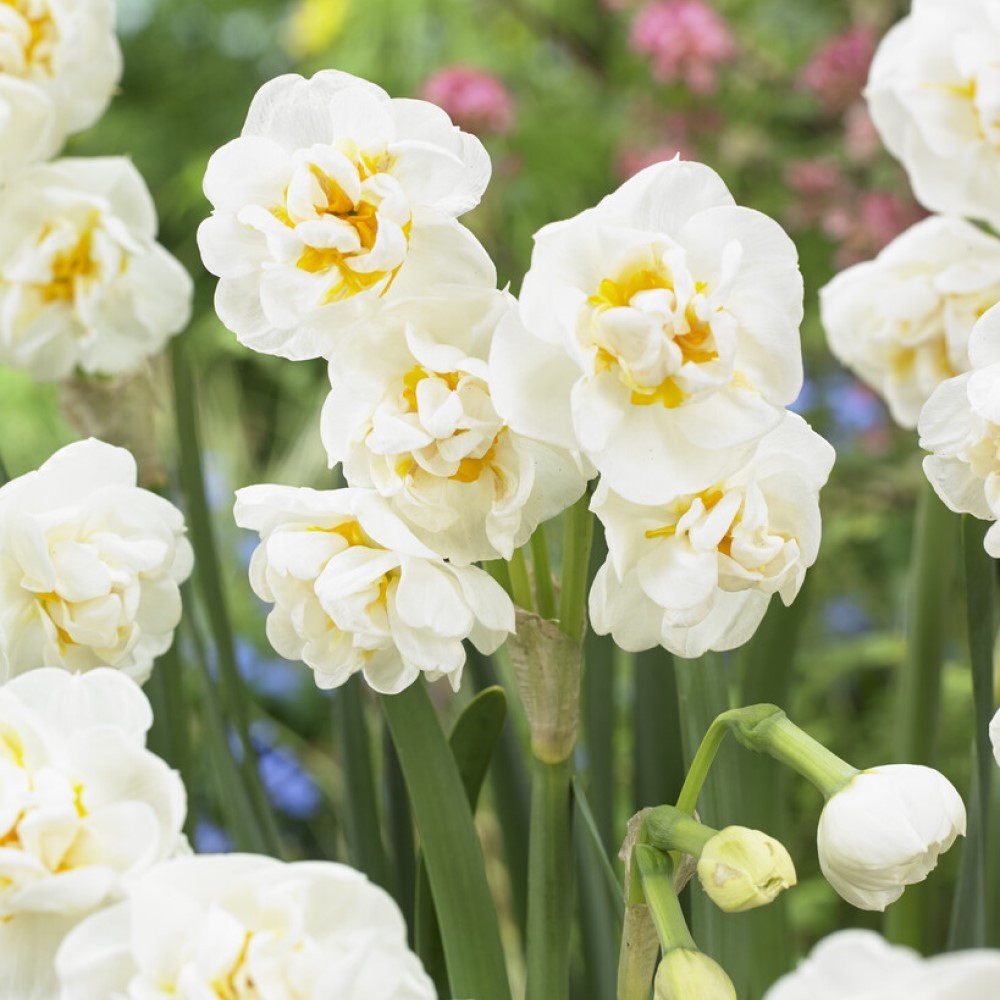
(685, 39)
(477, 101)
(860, 136)
(818, 185)
(632, 159)
(864, 226)
(838, 69)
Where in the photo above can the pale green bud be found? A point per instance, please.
(741, 869)
(686, 974)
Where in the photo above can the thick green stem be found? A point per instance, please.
(550, 882)
(544, 591)
(520, 581)
(465, 909)
(927, 616)
(577, 536)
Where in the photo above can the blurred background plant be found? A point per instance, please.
(571, 97)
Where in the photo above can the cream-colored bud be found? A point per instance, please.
(686, 974)
(741, 869)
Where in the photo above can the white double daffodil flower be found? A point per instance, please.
(411, 414)
(334, 199)
(902, 321)
(660, 334)
(84, 808)
(59, 65)
(697, 572)
(83, 282)
(934, 96)
(354, 591)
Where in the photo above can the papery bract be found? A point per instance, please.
(83, 282)
(59, 65)
(885, 829)
(934, 95)
(334, 198)
(355, 591)
(245, 926)
(698, 571)
(662, 334)
(861, 965)
(902, 321)
(90, 565)
(960, 426)
(410, 414)
(84, 807)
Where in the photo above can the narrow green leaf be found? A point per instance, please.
(362, 823)
(473, 741)
(402, 845)
(600, 915)
(209, 579)
(658, 754)
(612, 881)
(451, 849)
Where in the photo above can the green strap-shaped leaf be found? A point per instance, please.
(454, 859)
(473, 741)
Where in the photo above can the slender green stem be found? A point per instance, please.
(520, 581)
(658, 755)
(500, 571)
(577, 536)
(362, 824)
(657, 878)
(209, 577)
(454, 859)
(544, 591)
(701, 764)
(550, 882)
(670, 829)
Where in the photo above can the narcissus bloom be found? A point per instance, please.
(83, 282)
(697, 572)
(410, 413)
(662, 334)
(902, 321)
(354, 590)
(241, 925)
(960, 426)
(59, 64)
(885, 829)
(861, 965)
(90, 565)
(334, 197)
(84, 807)
(934, 95)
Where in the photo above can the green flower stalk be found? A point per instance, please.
(739, 868)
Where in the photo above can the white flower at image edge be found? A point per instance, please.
(355, 591)
(84, 807)
(902, 321)
(661, 334)
(410, 413)
(334, 198)
(862, 965)
(245, 926)
(83, 282)
(934, 96)
(885, 829)
(698, 571)
(90, 565)
(960, 426)
(59, 65)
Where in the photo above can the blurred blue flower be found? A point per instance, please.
(807, 398)
(269, 676)
(288, 784)
(855, 409)
(844, 616)
(211, 839)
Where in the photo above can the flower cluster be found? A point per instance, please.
(920, 323)
(83, 283)
(656, 342)
(90, 566)
(659, 336)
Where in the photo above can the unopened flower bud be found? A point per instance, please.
(686, 974)
(741, 869)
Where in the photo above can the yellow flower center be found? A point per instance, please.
(709, 499)
(38, 35)
(696, 344)
(73, 267)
